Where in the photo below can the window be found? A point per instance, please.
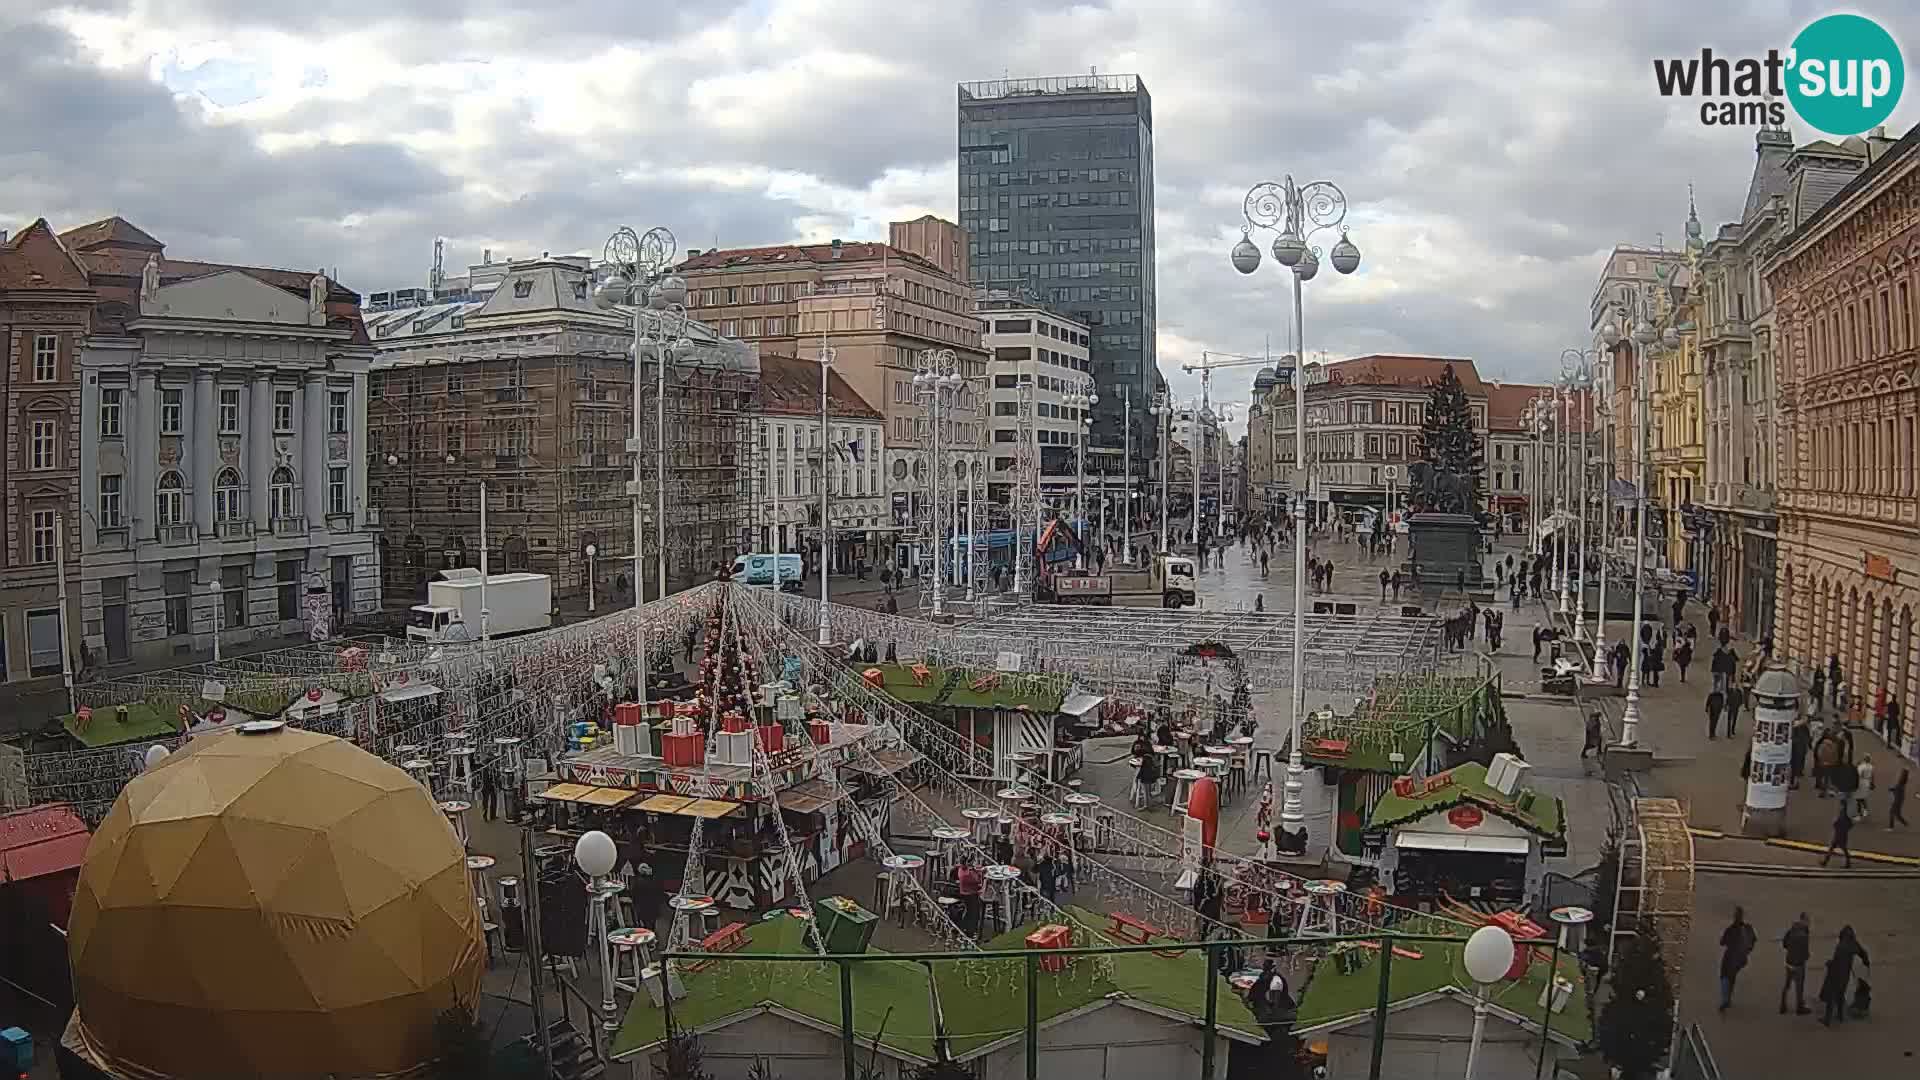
(110, 414)
(46, 358)
(776, 294)
(171, 505)
(281, 492)
(283, 410)
(109, 507)
(337, 490)
(230, 412)
(337, 412)
(286, 576)
(178, 587)
(42, 532)
(233, 596)
(43, 643)
(229, 499)
(44, 444)
(170, 412)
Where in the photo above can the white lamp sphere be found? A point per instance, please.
(595, 854)
(1288, 248)
(672, 289)
(1488, 955)
(1346, 255)
(610, 293)
(1308, 266)
(157, 754)
(1246, 255)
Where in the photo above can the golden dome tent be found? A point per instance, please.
(270, 902)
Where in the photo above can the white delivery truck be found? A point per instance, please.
(757, 569)
(1173, 580)
(516, 603)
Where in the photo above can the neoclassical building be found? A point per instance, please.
(1845, 285)
(223, 452)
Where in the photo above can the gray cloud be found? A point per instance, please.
(1501, 147)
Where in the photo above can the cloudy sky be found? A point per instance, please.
(1492, 152)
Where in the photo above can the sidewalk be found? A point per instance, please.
(1705, 774)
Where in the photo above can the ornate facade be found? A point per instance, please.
(1677, 441)
(1846, 284)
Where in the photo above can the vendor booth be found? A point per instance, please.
(1469, 833)
(1020, 726)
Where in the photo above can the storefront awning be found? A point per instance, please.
(808, 798)
(883, 762)
(1485, 845)
(586, 794)
(685, 806)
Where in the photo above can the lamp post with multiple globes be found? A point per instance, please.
(1643, 336)
(1296, 213)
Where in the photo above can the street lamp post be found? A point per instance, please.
(972, 469)
(1082, 402)
(593, 550)
(1198, 455)
(826, 357)
(1644, 336)
(1224, 416)
(657, 302)
(1162, 409)
(1561, 482)
(1297, 213)
(217, 590)
(1603, 529)
(936, 376)
(1579, 371)
(1126, 472)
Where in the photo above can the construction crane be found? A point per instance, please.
(1209, 361)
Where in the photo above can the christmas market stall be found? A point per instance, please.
(1018, 724)
(1471, 833)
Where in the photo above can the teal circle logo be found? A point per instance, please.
(1845, 74)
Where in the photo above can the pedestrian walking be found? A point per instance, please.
(1817, 694)
(1397, 581)
(1385, 580)
(1896, 811)
(1736, 945)
(1716, 704)
(1539, 639)
(489, 792)
(1736, 700)
(1796, 943)
(1713, 620)
(1839, 974)
(1842, 828)
(1595, 742)
(1863, 786)
(1802, 741)
(1683, 657)
(1890, 719)
(893, 605)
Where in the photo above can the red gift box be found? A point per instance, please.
(627, 714)
(1051, 936)
(819, 731)
(773, 738)
(666, 709)
(683, 751)
(733, 722)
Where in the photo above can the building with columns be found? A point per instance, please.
(224, 411)
(44, 303)
(1846, 293)
(1739, 354)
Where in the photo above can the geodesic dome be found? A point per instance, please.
(279, 903)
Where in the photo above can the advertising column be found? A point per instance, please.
(1776, 708)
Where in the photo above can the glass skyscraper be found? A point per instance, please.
(1056, 197)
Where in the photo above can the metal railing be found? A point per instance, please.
(1034, 961)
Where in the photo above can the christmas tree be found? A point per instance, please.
(1636, 1024)
(1447, 439)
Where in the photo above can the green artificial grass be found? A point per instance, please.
(1333, 995)
(953, 688)
(143, 722)
(1470, 785)
(1401, 723)
(980, 1004)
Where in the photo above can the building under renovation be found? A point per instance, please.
(522, 384)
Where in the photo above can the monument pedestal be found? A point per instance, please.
(1444, 547)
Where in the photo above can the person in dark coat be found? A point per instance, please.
(1898, 793)
(1736, 700)
(1683, 657)
(1716, 703)
(647, 897)
(1802, 742)
(1047, 871)
(1736, 946)
(1796, 943)
(489, 792)
(1842, 828)
(1839, 973)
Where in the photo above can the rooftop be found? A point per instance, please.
(778, 256)
(1334, 997)
(1050, 86)
(1537, 813)
(791, 387)
(1387, 369)
(35, 259)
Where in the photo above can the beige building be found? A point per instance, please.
(1029, 343)
(879, 307)
(1846, 290)
(788, 433)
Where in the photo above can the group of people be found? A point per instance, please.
(1838, 980)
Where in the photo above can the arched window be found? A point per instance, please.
(229, 498)
(283, 494)
(171, 504)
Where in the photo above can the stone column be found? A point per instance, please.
(260, 451)
(313, 448)
(143, 452)
(357, 450)
(204, 430)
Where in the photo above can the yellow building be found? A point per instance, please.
(1677, 400)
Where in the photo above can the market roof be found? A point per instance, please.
(965, 688)
(1336, 999)
(892, 1002)
(41, 840)
(1467, 783)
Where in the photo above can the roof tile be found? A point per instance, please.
(791, 387)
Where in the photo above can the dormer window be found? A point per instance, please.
(580, 289)
(523, 288)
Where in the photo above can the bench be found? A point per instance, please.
(1132, 931)
(729, 938)
(922, 675)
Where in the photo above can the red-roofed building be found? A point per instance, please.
(879, 306)
(44, 304)
(41, 851)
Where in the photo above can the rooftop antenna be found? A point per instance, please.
(438, 276)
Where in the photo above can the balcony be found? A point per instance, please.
(178, 535)
(113, 538)
(290, 526)
(240, 529)
(1726, 331)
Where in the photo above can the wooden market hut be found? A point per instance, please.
(1467, 834)
(1000, 714)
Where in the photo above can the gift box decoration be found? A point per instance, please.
(820, 732)
(773, 738)
(683, 750)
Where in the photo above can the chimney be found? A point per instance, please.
(486, 256)
(691, 252)
(3, 236)
(836, 247)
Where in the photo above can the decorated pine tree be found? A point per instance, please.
(1447, 438)
(1636, 1024)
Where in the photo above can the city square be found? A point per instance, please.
(1050, 587)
